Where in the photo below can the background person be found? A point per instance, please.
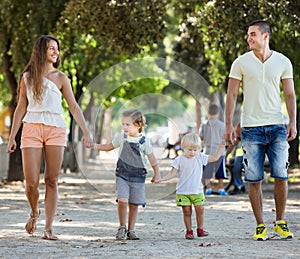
(234, 147)
(212, 133)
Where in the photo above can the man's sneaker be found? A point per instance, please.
(121, 234)
(243, 188)
(201, 232)
(189, 234)
(131, 235)
(282, 230)
(208, 191)
(261, 233)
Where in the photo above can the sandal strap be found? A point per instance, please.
(36, 217)
(48, 234)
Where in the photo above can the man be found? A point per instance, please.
(261, 72)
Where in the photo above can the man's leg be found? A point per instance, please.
(280, 196)
(256, 200)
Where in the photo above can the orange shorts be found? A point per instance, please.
(39, 135)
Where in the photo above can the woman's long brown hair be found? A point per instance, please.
(36, 68)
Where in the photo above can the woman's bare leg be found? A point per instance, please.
(31, 159)
(53, 162)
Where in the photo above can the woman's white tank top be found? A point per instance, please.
(47, 112)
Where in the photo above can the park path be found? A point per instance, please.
(86, 222)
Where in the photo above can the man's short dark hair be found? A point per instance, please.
(263, 26)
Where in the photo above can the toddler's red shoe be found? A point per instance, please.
(189, 234)
(201, 232)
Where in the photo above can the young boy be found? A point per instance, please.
(189, 189)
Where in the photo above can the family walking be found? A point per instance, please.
(264, 131)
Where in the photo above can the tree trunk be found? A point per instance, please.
(108, 117)
(198, 116)
(101, 125)
(15, 168)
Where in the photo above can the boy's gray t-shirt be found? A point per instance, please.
(212, 132)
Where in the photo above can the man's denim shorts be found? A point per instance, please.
(261, 141)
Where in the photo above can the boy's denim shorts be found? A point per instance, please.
(134, 192)
(261, 141)
(217, 167)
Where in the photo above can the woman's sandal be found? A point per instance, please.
(31, 223)
(49, 235)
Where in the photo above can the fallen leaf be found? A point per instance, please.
(65, 220)
(205, 244)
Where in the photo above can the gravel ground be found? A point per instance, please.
(86, 222)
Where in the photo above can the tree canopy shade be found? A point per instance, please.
(95, 35)
(124, 27)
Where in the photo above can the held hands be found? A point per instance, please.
(87, 141)
(156, 179)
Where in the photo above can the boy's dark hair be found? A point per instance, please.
(263, 26)
(213, 109)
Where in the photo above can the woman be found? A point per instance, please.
(39, 108)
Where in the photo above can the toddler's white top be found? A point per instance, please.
(190, 173)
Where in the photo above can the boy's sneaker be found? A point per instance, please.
(261, 233)
(208, 191)
(189, 234)
(121, 234)
(222, 192)
(201, 232)
(282, 230)
(131, 235)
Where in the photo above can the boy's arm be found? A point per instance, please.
(213, 158)
(170, 175)
(104, 147)
(154, 165)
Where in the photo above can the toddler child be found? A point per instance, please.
(189, 190)
(131, 170)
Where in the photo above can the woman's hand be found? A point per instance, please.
(11, 146)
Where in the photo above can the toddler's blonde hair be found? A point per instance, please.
(191, 140)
